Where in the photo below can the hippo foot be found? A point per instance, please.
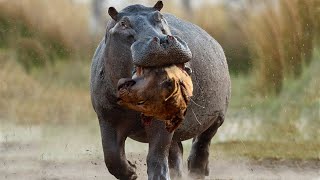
(131, 172)
(162, 174)
(198, 172)
(131, 177)
(175, 175)
(132, 166)
(175, 160)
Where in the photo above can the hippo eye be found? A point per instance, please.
(158, 17)
(163, 31)
(141, 102)
(123, 24)
(131, 38)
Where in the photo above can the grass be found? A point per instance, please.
(263, 150)
(292, 115)
(281, 40)
(36, 98)
(45, 53)
(41, 31)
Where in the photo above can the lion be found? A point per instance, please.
(158, 93)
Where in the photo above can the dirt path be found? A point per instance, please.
(75, 153)
(26, 161)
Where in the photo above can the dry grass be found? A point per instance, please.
(59, 26)
(26, 100)
(40, 35)
(218, 22)
(281, 40)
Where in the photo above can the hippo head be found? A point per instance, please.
(163, 93)
(145, 33)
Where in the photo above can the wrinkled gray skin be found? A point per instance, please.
(113, 61)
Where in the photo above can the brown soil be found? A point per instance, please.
(26, 161)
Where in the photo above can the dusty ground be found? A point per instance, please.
(39, 153)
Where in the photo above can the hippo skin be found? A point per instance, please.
(114, 59)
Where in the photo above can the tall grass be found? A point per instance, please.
(292, 115)
(29, 99)
(217, 20)
(281, 40)
(36, 35)
(43, 30)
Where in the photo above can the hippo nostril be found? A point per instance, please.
(170, 37)
(164, 40)
(156, 39)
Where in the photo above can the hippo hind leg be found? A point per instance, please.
(175, 160)
(199, 156)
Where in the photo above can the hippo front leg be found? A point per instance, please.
(113, 141)
(159, 144)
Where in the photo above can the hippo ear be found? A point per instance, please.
(158, 6)
(113, 13)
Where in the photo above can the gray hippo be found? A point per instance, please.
(127, 44)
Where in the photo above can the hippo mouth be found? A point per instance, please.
(156, 52)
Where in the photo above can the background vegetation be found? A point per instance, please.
(272, 50)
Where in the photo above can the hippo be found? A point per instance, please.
(158, 93)
(127, 44)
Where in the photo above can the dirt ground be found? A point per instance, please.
(75, 153)
(22, 161)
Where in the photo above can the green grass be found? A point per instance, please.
(292, 115)
(54, 94)
(65, 73)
